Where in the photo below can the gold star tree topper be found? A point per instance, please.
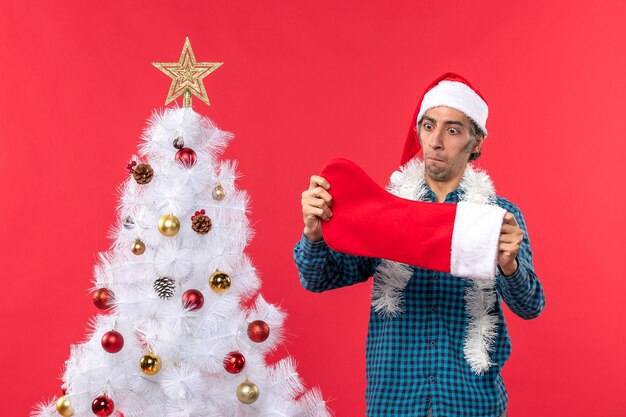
(187, 75)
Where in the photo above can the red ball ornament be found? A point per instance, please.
(193, 300)
(187, 157)
(112, 341)
(234, 362)
(258, 331)
(103, 298)
(102, 406)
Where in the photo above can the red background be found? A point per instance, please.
(303, 82)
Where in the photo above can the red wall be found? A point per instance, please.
(303, 82)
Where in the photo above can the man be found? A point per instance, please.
(442, 355)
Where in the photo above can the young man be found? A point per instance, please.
(442, 354)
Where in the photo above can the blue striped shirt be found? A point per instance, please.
(415, 361)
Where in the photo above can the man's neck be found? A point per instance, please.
(442, 188)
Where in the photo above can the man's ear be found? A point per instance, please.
(479, 143)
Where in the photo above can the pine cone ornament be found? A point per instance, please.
(165, 287)
(143, 173)
(201, 223)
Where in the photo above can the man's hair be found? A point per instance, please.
(475, 132)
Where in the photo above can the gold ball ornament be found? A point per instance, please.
(219, 193)
(138, 247)
(64, 407)
(169, 225)
(150, 364)
(219, 282)
(247, 392)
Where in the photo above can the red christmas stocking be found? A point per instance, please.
(461, 239)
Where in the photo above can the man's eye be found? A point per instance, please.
(428, 126)
(453, 131)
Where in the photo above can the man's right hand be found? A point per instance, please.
(316, 202)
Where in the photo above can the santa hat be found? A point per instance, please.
(449, 90)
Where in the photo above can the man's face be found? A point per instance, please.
(445, 135)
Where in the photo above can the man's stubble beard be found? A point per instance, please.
(437, 174)
(445, 173)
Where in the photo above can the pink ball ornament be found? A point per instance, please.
(258, 331)
(234, 362)
(187, 157)
(102, 406)
(103, 298)
(112, 341)
(193, 300)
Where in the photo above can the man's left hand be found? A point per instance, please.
(511, 236)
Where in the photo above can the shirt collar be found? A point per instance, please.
(452, 197)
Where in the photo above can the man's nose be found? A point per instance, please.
(436, 139)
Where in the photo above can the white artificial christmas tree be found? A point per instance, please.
(175, 338)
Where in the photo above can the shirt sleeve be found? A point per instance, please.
(522, 291)
(321, 268)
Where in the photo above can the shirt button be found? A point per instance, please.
(432, 343)
(432, 378)
(428, 398)
(433, 310)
